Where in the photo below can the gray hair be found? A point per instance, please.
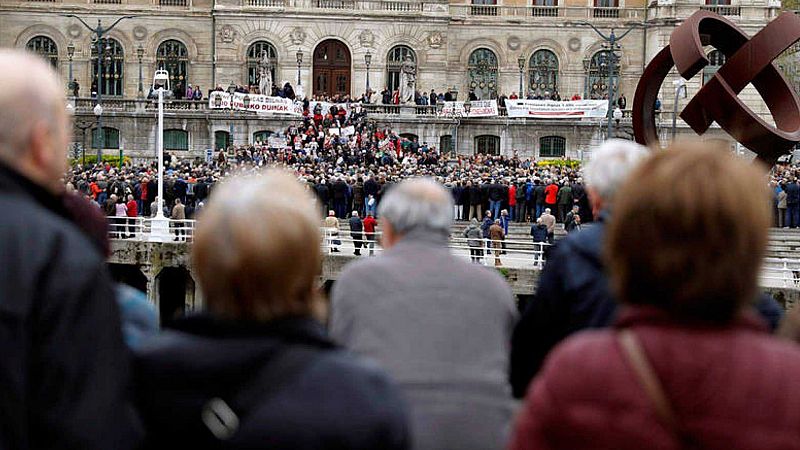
(611, 164)
(31, 97)
(418, 204)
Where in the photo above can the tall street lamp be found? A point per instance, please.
(680, 86)
(139, 55)
(611, 46)
(521, 63)
(99, 32)
(160, 224)
(299, 56)
(231, 90)
(98, 112)
(367, 61)
(71, 83)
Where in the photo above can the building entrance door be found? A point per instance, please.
(332, 68)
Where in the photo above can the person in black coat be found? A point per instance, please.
(356, 228)
(258, 370)
(64, 370)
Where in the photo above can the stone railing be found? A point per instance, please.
(341, 5)
(571, 12)
(723, 10)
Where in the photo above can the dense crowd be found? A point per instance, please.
(349, 162)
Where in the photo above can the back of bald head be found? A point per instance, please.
(31, 98)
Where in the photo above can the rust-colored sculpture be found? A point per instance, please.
(748, 61)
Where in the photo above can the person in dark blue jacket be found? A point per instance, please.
(793, 204)
(258, 370)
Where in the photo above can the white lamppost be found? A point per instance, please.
(160, 224)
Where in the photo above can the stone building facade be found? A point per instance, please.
(489, 47)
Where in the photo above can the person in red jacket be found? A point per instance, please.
(550, 195)
(133, 212)
(687, 364)
(512, 200)
(369, 233)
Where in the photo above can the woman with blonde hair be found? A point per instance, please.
(257, 370)
(687, 365)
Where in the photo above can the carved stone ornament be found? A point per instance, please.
(227, 34)
(513, 43)
(435, 39)
(139, 32)
(366, 38)
(74, 31)
(298, 36)
(574, 44)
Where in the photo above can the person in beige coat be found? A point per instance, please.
(497, 235)
(549, 220)
(781, 205)
(332, 225)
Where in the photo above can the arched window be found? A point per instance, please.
(543, 73)
(487, 145)
(262, 136)
(44, 47)
(111, 67)
(446, 144)
(597, 76)
(222, 140)
(173, 56)
(253, 58)
(176, 140)
(552, 147)
(482, 68)
(716, 59)
(394, 61)
(110, 138)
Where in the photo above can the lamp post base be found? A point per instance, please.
(159, 230)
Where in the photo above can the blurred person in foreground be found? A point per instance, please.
(64, 370)
(257, 370)
(420, 323)
(688, 364)
(573, 292)
(573, 289)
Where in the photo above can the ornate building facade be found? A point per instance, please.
(487, 47)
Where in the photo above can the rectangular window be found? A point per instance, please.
(110, 138)
(176, 140)
(552, 147)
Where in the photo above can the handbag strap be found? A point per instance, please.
(636, 356)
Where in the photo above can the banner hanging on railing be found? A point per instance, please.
(260, 104)
(477, 108)
(550, 109)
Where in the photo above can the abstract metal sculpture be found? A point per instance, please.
(748, 61)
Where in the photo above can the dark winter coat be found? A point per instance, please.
(64, 366)
(289, 386)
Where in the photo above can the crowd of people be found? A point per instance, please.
(647, 329)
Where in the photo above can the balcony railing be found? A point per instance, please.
(484, 10)
(544, 11)
(723, 10)
(107, 2)
(605, 12)
(181, 3)
(537, 11)
(336, 4)
(267, 3)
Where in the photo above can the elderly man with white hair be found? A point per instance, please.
(573, 291)
(439, 325)
(64, 371)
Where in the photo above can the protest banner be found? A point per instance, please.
(260, 104)
(477, 108)
(550, 109)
